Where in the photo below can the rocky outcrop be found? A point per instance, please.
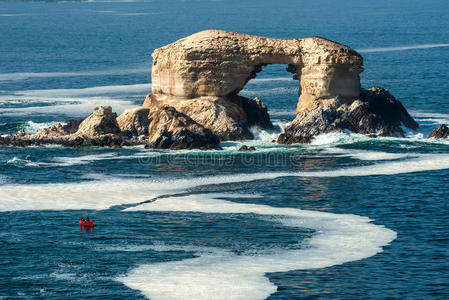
(161, 127)
(58, 130)
(101, 121)
(441, 132)
(99, 129)
(200, 75)
(245, 148)
(194, 101)
(220, 63)
(375, 113)
(170, 129)
(229, 118)
(135, 121)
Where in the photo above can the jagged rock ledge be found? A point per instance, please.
(441, 132)
(375, 113)
(161, 128)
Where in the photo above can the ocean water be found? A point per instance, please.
(345, 217)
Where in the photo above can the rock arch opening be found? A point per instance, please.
(277, 85)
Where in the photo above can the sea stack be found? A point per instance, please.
(202, 74)
(195, 101)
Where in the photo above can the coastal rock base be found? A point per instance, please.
(229, 118)
(376, 113)
(441, 132)
(161, 128)
(172, 129)
(194, 101)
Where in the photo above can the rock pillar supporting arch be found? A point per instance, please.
(207, 70)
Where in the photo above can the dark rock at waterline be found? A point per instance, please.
(441, 132)
(170, 129)
(245, 148)
(376, 112)
(256, 112)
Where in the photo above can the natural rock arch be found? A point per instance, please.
(195, 101)
(201, 75)
(220, 63)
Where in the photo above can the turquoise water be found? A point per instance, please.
(345, 217)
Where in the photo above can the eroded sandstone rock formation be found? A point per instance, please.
(161, 128)
(200, 76)
(172, 129)
(194, 101)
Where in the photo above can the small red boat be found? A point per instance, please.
(86, 223)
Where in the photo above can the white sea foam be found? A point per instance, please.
(435, 118)
(223, 275)
(21, 162)
(421, 114)
(264, 136)
(256, 80)
(401, 48)
(80, 160)
(64, 276)
(3, 179)
(269, 91)
(75, 107)
(142, 88)
(28, 75)
(368, 155)
(137, 14)
(337, 138)
(104, 194)
(89, 195)
(73, 102)
(124, 248)
(33, 127)
(157, 246)
(14, 15)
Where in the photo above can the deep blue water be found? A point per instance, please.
(59, 60)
